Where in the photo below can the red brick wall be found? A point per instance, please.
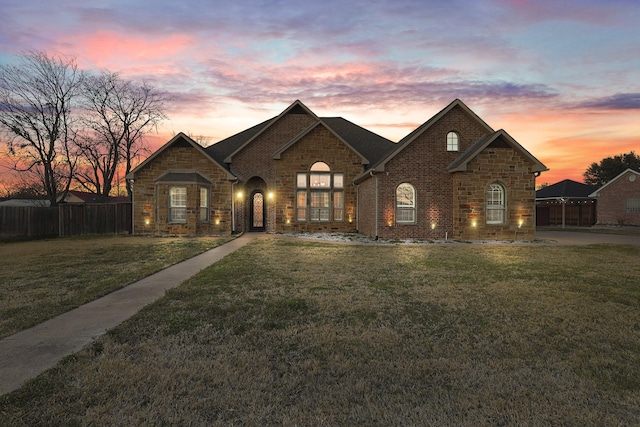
(367, 207)
(256, 160)
(146, 208)
(424, 165)
(612, 201)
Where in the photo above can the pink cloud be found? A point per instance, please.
(119, 51)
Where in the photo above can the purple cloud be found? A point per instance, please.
(619, 101)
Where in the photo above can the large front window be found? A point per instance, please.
(178, 204)
(495, 204)
(320, 195)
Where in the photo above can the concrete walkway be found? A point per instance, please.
(26, 354)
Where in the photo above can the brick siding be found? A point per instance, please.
(612, 201)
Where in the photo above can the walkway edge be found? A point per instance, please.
(28, 353)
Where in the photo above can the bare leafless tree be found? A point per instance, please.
(36, 100)
(118, 113)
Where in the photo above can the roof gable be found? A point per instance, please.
(296, 108)
(499, 139)
(366, 144)
(627, 172)
(180, 140)
(426, 125)
(411, 137)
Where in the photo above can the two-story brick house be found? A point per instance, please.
(453, 176)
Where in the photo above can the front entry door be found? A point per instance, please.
(257, 211)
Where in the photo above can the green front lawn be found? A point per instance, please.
(284, 332)
(40, 279)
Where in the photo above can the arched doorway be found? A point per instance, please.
(257, 211)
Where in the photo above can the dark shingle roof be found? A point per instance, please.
(371, 145)
(566, 188)
(222, 149)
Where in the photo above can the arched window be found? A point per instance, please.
(405, 203)
(452, 141)
(320, 167)
(496, 204)
(320, 195)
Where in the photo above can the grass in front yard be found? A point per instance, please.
(42, 278)
(291, 333)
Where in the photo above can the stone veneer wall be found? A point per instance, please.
(612, 201)
(514, 172)
(180, 157)
(320, 145)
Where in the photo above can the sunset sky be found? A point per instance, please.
(561, 77)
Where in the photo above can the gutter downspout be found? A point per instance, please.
(357, 208)
(377, 204)
(133, 217)
(233, 206)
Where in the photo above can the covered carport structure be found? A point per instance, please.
(566, 203)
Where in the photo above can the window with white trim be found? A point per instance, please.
(178, 204)
(405, 204)
(453, 141)
(496, 204)
(320, 194)
(204, 204)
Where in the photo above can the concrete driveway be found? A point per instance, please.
(588, 238)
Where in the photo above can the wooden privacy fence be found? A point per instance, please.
(66, 220)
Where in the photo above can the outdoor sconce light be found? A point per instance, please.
(239, 194)
(288, 221)
(217, 221)
(433, 225)
(474, 223)
(350, 219)
(389, 223)
(520, 223)
(270, 195)
(147, 221)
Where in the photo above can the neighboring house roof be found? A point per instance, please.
(628, 172)
(566, 189)
(180, 138)
(75, 196)
(499, 138)
(39, 203)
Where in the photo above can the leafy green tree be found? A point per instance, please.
(610, 167)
